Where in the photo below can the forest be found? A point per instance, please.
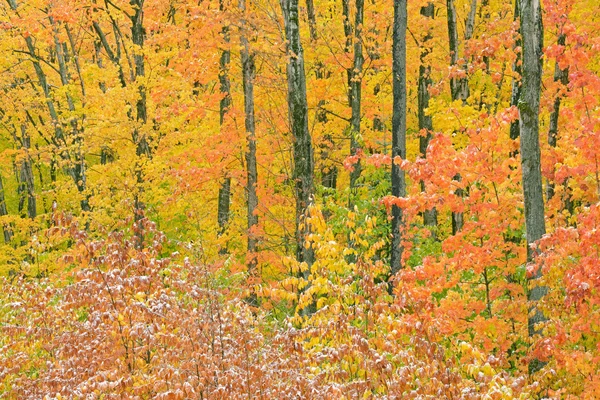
(284, 199)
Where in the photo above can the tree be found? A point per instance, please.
(425, 120)
(398, 129)
(224, 200)
(529, 109)
(248, 72)
(298, 123)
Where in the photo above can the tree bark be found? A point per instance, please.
(143, 150)
(529, 105)
(516, 82)
(249, 71)
(398, 129)
(459, 86)
(298, 120)
(562, 76)
(224, 200)
(26, 187)
(425, 120)
(355, 98)
(312, 19)
(6, 230)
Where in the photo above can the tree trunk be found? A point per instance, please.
(459, 87)
(6, 230)
(26, 180)
(139, 138)
(398, 128)
(529, 105)
(516, 82)
(224, 201)
(355, 98)
(248, 71)
(425, 121)
(562, 76)
(312, 19)
(298, 120)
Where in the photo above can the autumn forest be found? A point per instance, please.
(300, 199)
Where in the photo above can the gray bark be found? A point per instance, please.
(529, 105)
(312, 19)
(249, 71)
(516, 82)
(6, 230)
(141, 141)
(398, 128)
(26, 188)
(224, 201)
(355, 97)
(425, 120)
(459, 87)
(298, 120)
(562, 76)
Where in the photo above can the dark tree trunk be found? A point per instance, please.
(248, 71)
(312, 19)
(139, 137)
(6, 230)
(398, 128)
(459, 86)
(298, 120)
(355, 97)
(425, 121)
(516, 82)
(224, 201)
(529, 106)
(562, 76)
(26, 180)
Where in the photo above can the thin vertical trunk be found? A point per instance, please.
(26, 179)
(78, 169)
(224, 201)
(312, 19)
(562, 76)
(355, 97)
(6, 230)
(398, 128)
(248, 73)
(516, 82)
(139, 137)
(529, 107)
(298, 120)
(459, 86)
(425, 120)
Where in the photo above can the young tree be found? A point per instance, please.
(248, 72)
(425, 120)
(398, 128)
(529, 108)
(224, 200)
(298, 120)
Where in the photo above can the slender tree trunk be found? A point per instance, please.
(298, 120)
(6, 229)
(248, 71)
(398, 128)
(139, 137)
(224, 201)
(26, 181)
(425, 120)
(516, 82)
(529, 106)
(78, 169)
(355, 97)
(562, 76)
(459, 86)
(312, 19)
